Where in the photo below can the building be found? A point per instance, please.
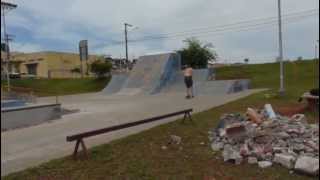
(47, 64)
(120, 64)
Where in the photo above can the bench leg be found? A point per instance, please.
(75, 152)
(84, 149)
(187, 115)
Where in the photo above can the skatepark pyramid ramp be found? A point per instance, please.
(149, 75)
(161, 73)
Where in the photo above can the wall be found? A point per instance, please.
(12, 118)
(59, 64)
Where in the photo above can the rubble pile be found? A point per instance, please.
(264, 138)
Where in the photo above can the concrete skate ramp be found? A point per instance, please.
(202, 86)
(162, 73)
(151, 74)
(115, 84)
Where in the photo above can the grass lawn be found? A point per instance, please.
(52, 87)
(140, 156)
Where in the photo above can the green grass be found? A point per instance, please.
(140, 156)
(52, 87)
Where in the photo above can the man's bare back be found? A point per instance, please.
(188, 72)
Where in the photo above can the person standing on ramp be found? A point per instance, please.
(188, 81)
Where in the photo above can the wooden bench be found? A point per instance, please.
(79, 137)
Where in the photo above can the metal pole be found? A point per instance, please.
(6, 38)
(126, 40)
(316, 60)
(282, 89)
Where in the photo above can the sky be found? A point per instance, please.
(46, 25)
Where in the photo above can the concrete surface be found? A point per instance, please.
(29, 115)
(28, 147)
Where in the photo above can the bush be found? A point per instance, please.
(101, 68)
(76, 70)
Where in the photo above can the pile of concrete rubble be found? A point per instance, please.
(264, 138)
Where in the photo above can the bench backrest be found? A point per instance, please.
(122, 126)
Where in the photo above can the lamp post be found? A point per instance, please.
(6, 7)
(126, 25)
(282, 89)
(126, 38)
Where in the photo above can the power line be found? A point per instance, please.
(222, 28)
(240, 22)
(219, 30)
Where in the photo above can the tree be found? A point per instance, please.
(100, 68)
(196, 54)
(300, 58)
(246, 60)
(76, 70)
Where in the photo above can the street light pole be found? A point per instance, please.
(282, 89)
(6, 7)
(6, 39)
(126, 38)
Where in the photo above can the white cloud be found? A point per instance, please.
(101, 21)
(25, 47)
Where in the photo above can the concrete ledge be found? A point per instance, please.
(18, 117)
(239, 85)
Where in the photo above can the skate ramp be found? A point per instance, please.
(162, 73)
(115, 84)
(202, 86)
(151, 74)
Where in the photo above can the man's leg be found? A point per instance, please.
(191, 91)
(188, 92)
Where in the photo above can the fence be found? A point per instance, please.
(28, 95)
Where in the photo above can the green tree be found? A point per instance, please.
(100, 68)
(196, 54)
(76, 70)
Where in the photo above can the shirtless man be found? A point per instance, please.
(188, 81)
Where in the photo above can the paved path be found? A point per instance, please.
(28, 147)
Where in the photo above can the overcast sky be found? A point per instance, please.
(47, 25)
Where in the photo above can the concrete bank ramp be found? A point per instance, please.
(115, 84)
(151, 74)
(161, 73)
(201, 86)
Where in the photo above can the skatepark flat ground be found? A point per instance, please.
(31, 146)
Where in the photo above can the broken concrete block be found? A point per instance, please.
(308, 165)
(222, 132)
(283, 135)
(235, 130)
(217, 146)
(175, 139)
(252, 160)
(298, 147)
(264, 164)
(229, 153)
(285, 160)
(244, 150)
(278, 149)
(312, 145)
(299, 117)
(254, 116)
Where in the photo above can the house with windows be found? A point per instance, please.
(46, 64)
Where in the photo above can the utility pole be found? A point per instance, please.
(282, 89)
(6, 7)
(316, 61)
(126, 39)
